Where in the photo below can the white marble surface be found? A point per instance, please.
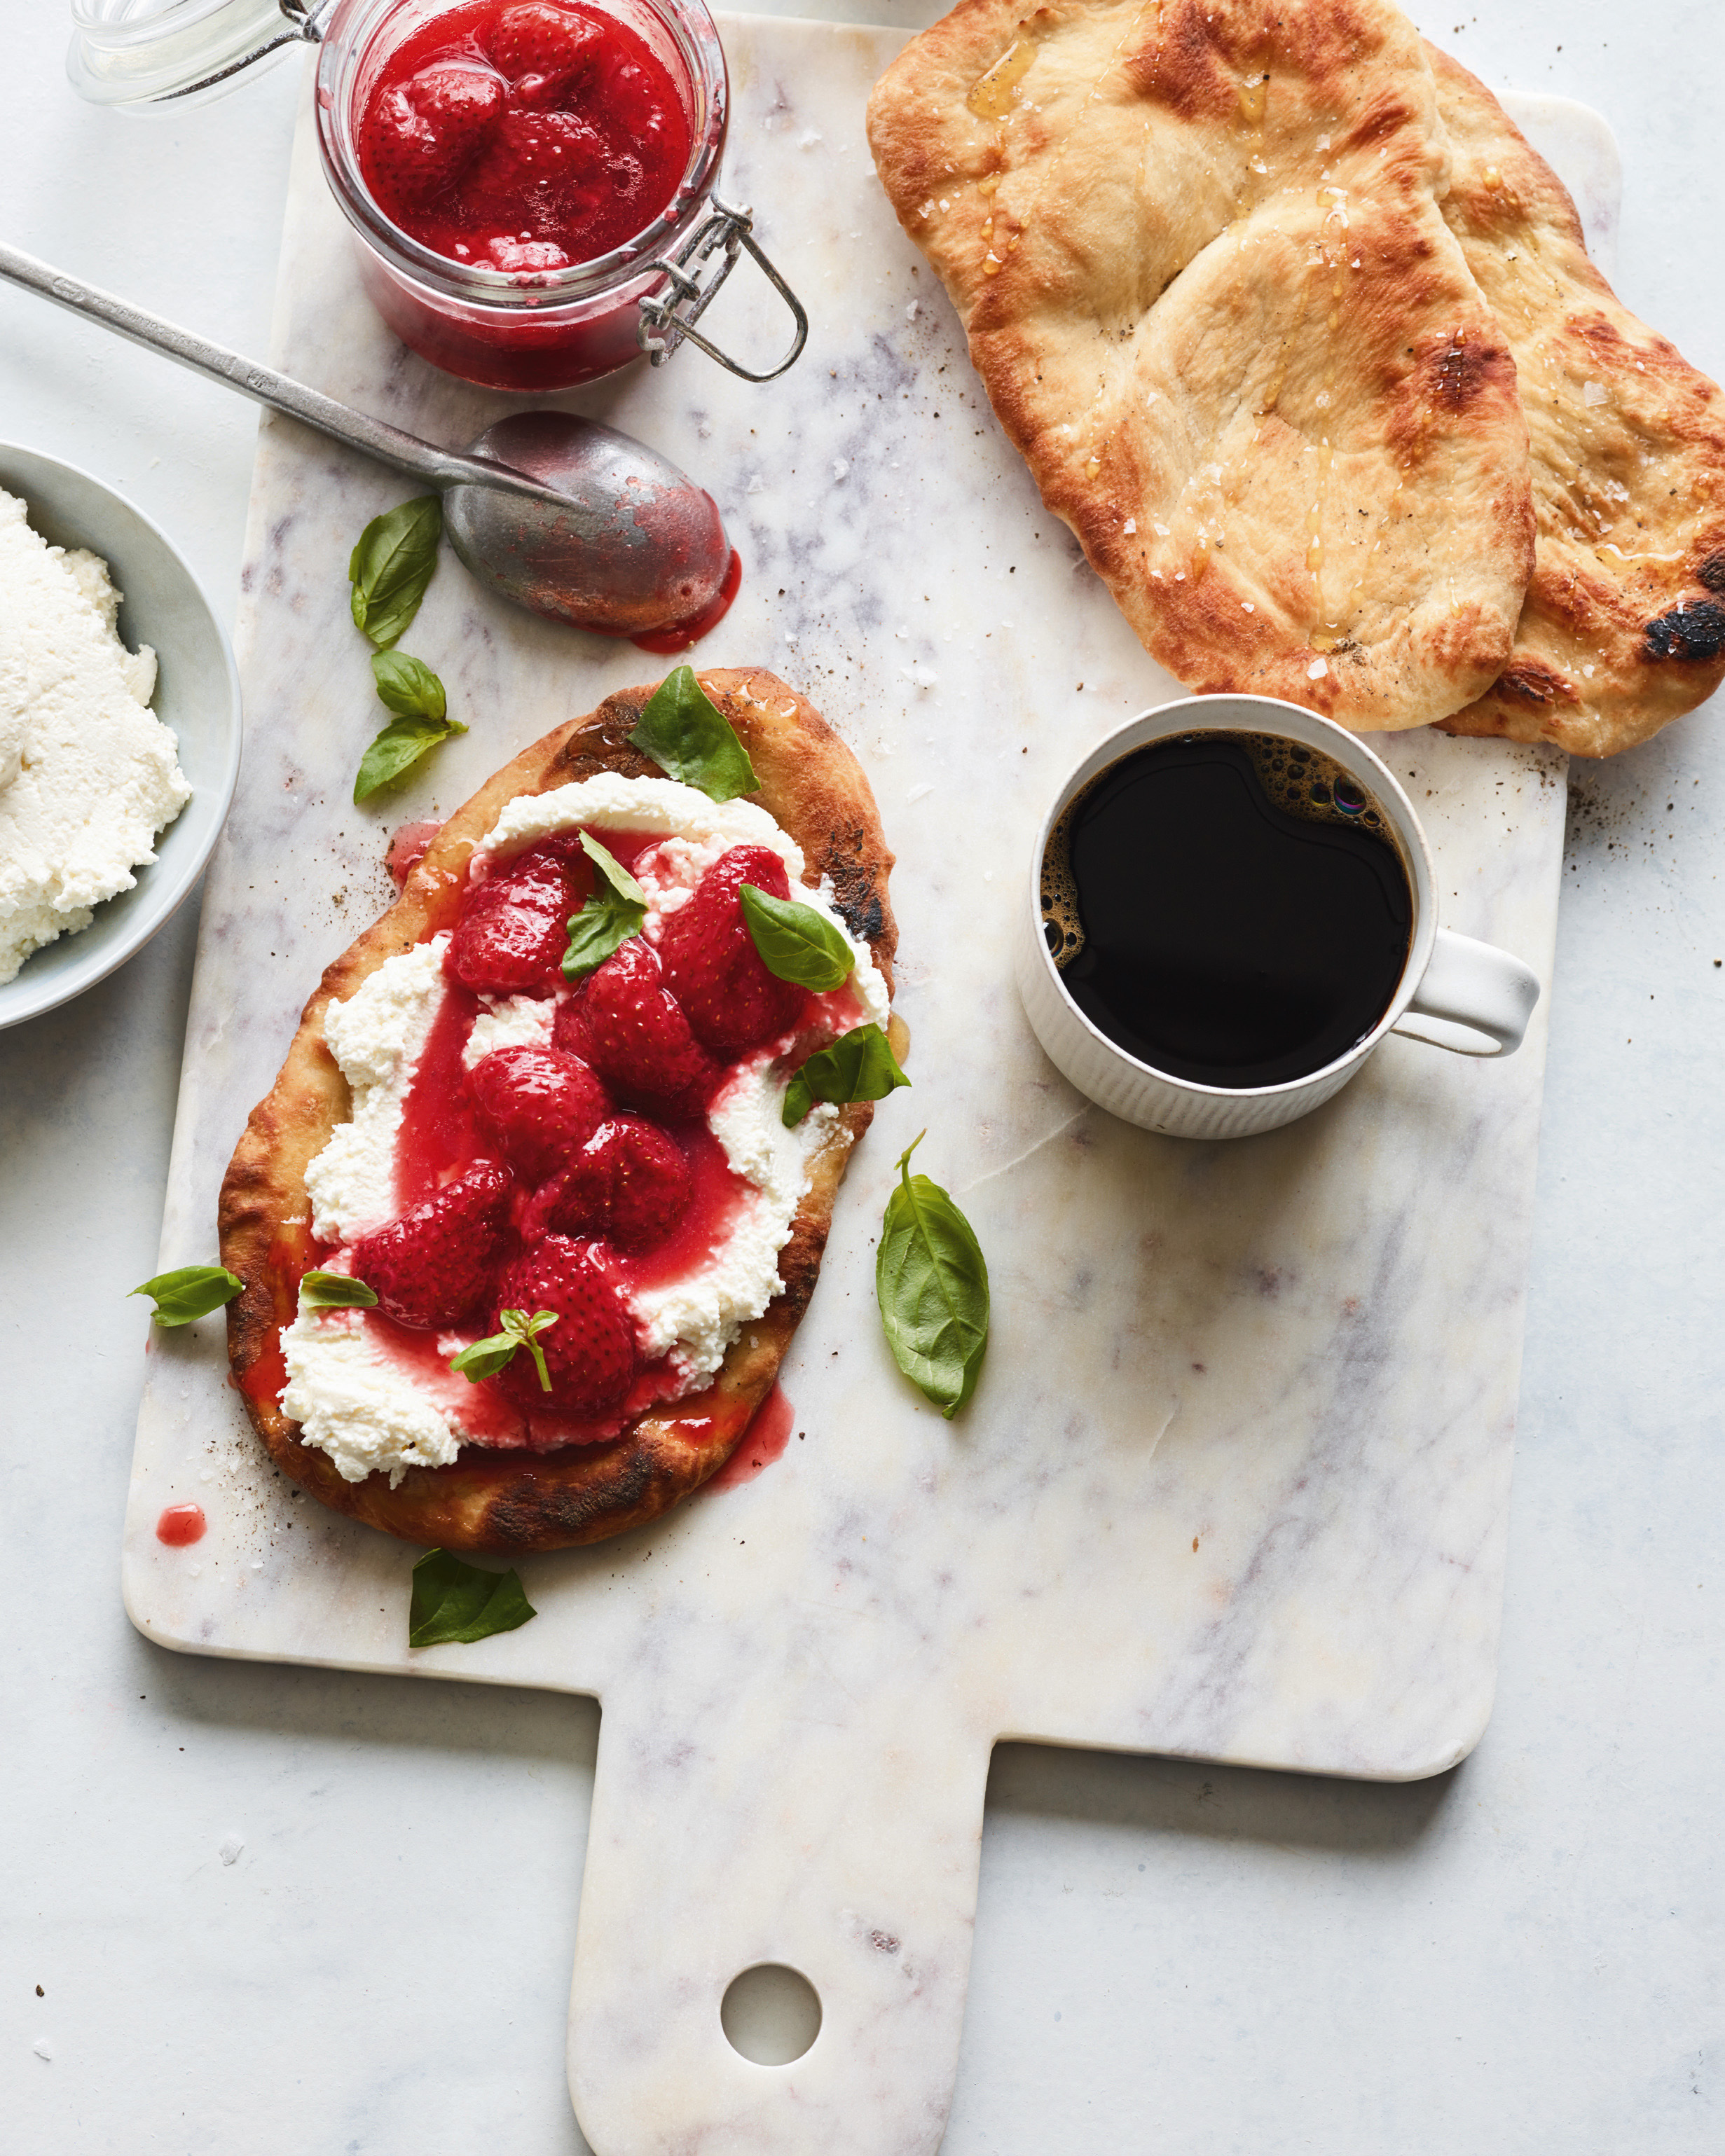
(1235, 1482)
(1520, 1916)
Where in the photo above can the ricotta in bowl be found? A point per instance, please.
(88, 776)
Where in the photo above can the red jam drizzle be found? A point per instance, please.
(486, 1418)
(265, 1378)
(682, 634)
(181, 1525)
(525, 137)
(626, 847)
(294, 1252)
(407, 849)
(440, 1125)
(761, 1444)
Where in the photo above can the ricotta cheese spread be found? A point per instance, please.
(351, 1400)
(88, 776)
(377, 1037)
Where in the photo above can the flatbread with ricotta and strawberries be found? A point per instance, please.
(1198, 249)
(1624, 625)
(624, 1464)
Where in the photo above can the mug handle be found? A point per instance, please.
(1478, 997)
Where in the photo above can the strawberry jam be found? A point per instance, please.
(525, 136)
(513, 171)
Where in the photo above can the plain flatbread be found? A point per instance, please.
(1624, 626)
(1198, 252)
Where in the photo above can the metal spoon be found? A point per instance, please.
(568, 518)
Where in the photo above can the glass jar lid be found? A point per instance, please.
(141, 55)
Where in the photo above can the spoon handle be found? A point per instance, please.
(384, 444)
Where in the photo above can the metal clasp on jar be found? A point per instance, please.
(663, 327)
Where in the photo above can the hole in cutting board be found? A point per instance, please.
(771, 2014)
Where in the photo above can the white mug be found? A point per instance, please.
(1454, 992)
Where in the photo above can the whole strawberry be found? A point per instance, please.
(626, 1024)
(590, 1352)
(435, 1264)
(514, 926)
(712, 965)
(544, 50)
(539, 1105)
(629, 1183)
(420, 136)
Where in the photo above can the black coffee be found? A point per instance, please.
(1227, 907)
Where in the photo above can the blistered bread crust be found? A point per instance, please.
(1624, 626)
(519, 1501)
(1209, 366)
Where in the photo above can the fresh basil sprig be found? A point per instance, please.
(932, 1285)
(486, 1357)
(454, 1603)
(859, 1065)
(795, 941)
(389, 569)
(614, 913)
(687, 735)
(189, 1292)
(391, 566)
(336, 1291)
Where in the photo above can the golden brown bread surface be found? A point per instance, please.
(1624, 626)
(1197, 247)
(516, 1501)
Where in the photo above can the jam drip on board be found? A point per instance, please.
(761, 1444)
(407, 848)
(576, 1172)
(524, 138)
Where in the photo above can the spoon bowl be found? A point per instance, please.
(568, 518)
(639, 548)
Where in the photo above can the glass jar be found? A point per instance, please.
(535, 330)
(141, 53)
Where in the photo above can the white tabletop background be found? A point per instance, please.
(1524, 1954)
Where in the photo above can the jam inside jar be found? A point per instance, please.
(516, 171)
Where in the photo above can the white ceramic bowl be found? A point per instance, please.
(197, 694)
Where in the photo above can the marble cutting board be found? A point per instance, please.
(1234, 1484)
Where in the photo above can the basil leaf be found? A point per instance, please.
(687, 735)
(614, 913)
(932, 1285)
(456, 1602)
(192, 1291)
(398, 749)
(859, 1065)
(336, 1291)
(408, 685)
(795, 941)
(391, 566)
(486, 1357)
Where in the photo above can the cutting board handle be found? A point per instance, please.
(727, 1833)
